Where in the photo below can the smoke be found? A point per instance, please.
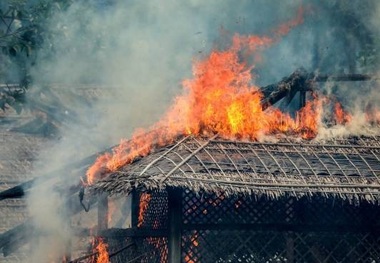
(136, 53)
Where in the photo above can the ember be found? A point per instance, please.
(190, 257)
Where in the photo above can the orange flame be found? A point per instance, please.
(309, 118)
(219, 99)
(101, 249)
(143, 206)
(285, 28)
(341, 116)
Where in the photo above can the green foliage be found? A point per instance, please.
(22, 34)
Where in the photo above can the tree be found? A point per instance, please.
(22, 34)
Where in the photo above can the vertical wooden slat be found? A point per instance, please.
(175, 225)
(135, 196)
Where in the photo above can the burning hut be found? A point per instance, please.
(207, 198)
(204, 197)
(217, 200)
(203, 186)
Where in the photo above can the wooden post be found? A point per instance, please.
(175, 225)
(102, 212)
(135, 208)
(135, 196)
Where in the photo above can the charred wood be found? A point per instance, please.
(286, 88)
(302, 81)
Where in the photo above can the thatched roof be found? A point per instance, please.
(348, 168)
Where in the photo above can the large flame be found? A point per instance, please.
(219, 99)
(101, 249)
(143, 206)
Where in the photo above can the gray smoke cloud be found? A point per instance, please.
(138, 52)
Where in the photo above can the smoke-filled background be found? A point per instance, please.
(135, 54)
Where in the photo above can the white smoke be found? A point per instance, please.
(139, 52)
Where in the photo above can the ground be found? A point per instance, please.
(18, 152)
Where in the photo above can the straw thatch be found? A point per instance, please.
(348, 168)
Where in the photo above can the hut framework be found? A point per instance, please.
(216, 200)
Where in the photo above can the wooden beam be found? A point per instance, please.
(133, 232)
(286, 88)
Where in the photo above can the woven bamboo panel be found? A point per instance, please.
(238, 228)
(155, 214)
(219, 209)
(273, 246)
(325, 230)
(201, 208)
(145, 250)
